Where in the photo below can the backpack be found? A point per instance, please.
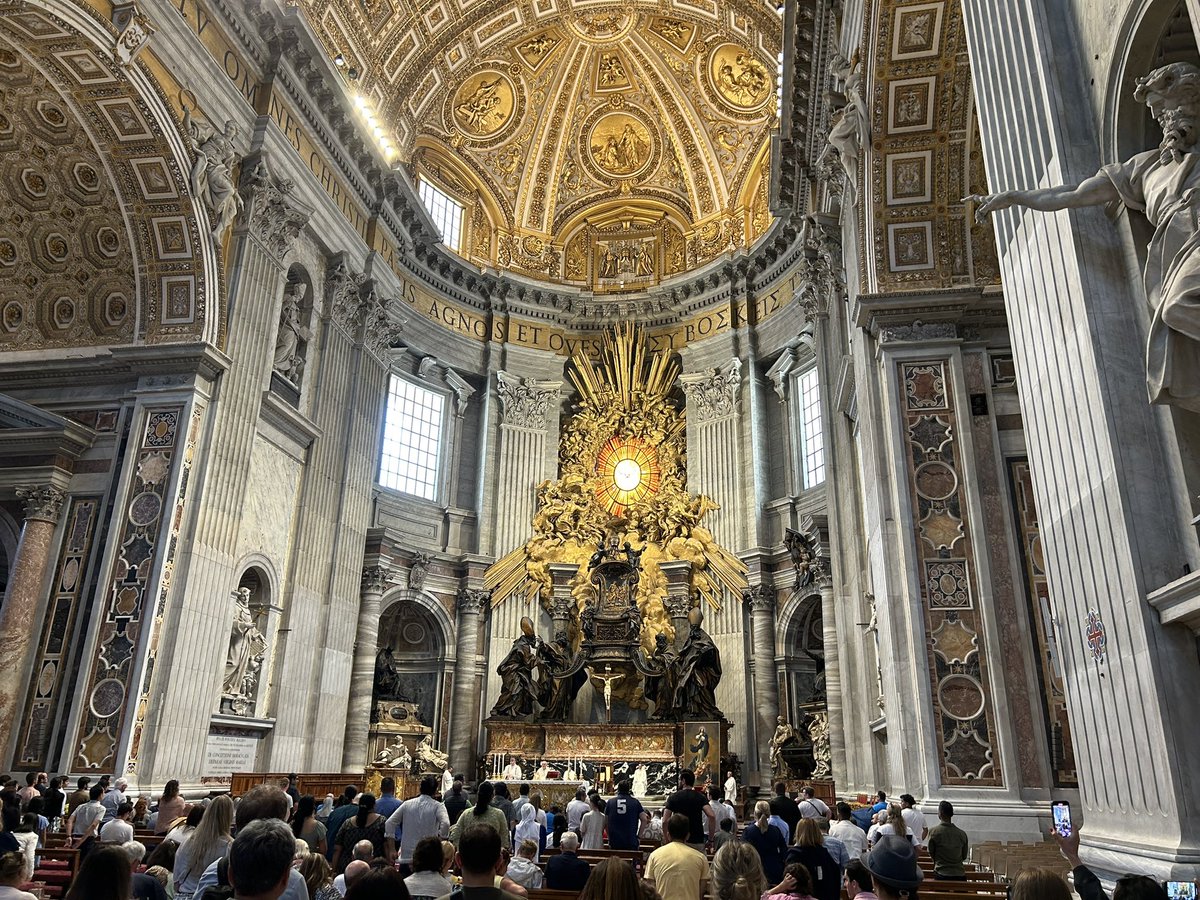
(222, 890)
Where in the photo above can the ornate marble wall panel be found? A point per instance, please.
(127, 261)
(66, 591)
(958, 667)
(130, 601)
(1042, 617)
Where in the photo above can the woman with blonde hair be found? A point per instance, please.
(767, 840)
(896, 825)
(809, 849)
(318, 878)
(737, 873)
(208, 843)
(1039, 884)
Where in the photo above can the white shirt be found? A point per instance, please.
(812, 808)
(542, 774)
(730, 789)
(721, 812)
(915, 820)
(512, 772)
(447, 782)
(575, 811)
(419, 817)
(117, 831)
(851, 835)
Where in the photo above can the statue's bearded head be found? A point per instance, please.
(1173, 94)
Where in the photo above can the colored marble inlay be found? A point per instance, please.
(128, 599)
(42, 705)
(957, 659)
(1041, 615)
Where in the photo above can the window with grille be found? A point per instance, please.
(446, 212)
(412, 438)
(812, 433)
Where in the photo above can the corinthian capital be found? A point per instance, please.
(713, 394)
(374, 579)
(42, 503)
(524, 401)
(472, 601)
(274, 216)
(760, 598)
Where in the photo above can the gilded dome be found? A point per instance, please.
(596, 145)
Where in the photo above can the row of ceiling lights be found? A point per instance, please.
(363, 105)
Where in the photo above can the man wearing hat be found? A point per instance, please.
(893, 867)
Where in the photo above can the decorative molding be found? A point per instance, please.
(821, 275)
(779, 372)
(345, 303)
(374, 579)
(918, 331)
(809, 553)
(760, 598)
(381, 326)
(677, 605)
(134, 31)
(472, 601)
(713, 394)
(418, 569)
(43, 503)
(525, 401)
(273, 215)
(432, 369)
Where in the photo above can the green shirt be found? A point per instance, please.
(948, 847)
(493, 816)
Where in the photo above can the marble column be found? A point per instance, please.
(562, 603)
(43, 505)
(833, 680)
(464, 717)
(526, 404)
(761, 600)
(362, 674)
(678, 601)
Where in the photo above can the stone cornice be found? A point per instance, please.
(949, 314)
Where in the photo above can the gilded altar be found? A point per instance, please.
(611, 743)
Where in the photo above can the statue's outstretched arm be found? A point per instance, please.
(1093, 191)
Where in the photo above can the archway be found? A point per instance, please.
(802, 667)
(415, 642)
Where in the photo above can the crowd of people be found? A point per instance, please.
(444, 843)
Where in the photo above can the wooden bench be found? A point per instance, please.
(547, 894)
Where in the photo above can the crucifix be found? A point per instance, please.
(609, 680)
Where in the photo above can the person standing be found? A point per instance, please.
(171, 807)
(591, 826)
(55, 798)
(482, 813)
(79, 796)
(768, 840)
(847, 831)
(576, 810)
(677, 870)
(948, 845)
(84, 821)
(785, 807)
(341, 814)
(914, 819)
(625, 819)
(456, 801)
(416, 819)
(812, 807)
(388, 802)
(687, 801)
(113, 798)
(731, 789)
(447, 781)
(479, 858)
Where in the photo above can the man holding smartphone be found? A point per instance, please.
(1087, 885)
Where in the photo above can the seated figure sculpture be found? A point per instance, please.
(430, 758)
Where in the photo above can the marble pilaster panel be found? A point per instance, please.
(465, 707)
(761, 600)
(362, 675)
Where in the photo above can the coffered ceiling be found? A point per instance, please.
(593, 144)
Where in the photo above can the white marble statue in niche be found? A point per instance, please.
(1165, 185)
(243, 662)
(292, 339)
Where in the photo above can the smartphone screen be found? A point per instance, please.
(1061, 811)
(1181, 890)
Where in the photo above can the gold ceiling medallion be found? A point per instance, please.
(612, 72)
(620, 145)
(484, 105)
(740, 78)
(537, 48)
(675, 32)
(602, 28)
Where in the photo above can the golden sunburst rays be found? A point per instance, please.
(623, 471)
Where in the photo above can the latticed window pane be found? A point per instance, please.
(446, 213)
(412, 435)
(811, 429)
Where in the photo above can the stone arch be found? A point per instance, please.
(801, 661)
(109, 156)
(257, 573)
(419, 630)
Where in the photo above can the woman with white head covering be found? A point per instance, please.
(528, 829)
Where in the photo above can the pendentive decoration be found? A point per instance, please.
(1096, 637)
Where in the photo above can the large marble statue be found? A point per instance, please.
(288, 361)
(850, 123)
(212, 172)
(659, 689)
(518, 689)
(1165, 185)
(698, 671)
(784, 735)
(641, 781)
(556, 694)
(392, 755)
(387, 678)
(430, 758)
(818, 733)
(247, 646)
